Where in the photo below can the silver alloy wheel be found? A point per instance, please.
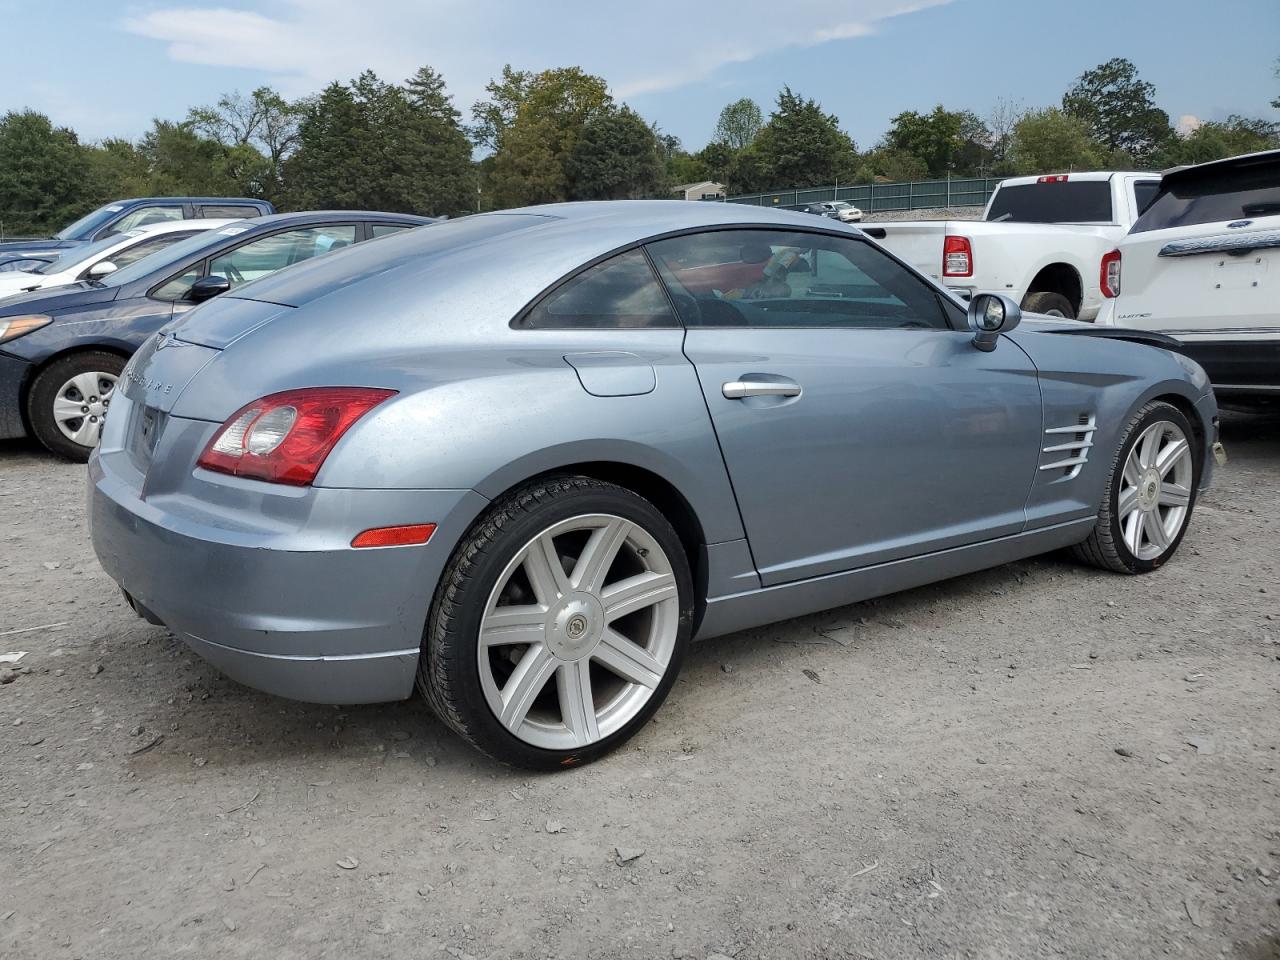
(1053, 312)
(578, 631)
(1155, 492)
(81, 405)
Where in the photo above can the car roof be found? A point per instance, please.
(239, 201)
(172, 226)
(333, 216)
(1078, 175)
(499, 261)
(1224, 164)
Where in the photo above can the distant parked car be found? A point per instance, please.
(1201, 265)
(62, 350)
(124, 215)
(521, 459)
(27, 261)
(95, 261)
(840, 210)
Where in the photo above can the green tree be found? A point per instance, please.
(182, 162)
(43, 175)
(328, 168)
(1050, 141)
(896, 166)
(1119, 109)
(935, 138)
(739, 124)
(1213, 141)
(438, 176)
(616, 157)
(533, 122)
(800, 146)
(117, 169)
(263, 121)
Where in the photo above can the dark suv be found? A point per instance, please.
(125, 215)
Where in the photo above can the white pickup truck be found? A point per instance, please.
(1040, 240)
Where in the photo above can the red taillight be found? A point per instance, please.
(284, 437)
(957, 257)
(403, 536)
(1109, 274)
(1055, 178)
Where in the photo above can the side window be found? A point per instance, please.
(783, 278)
(143, 216)
(236, 210)
(385, 229)
(265, 256)
(144, 248)
(619, 292)
(1144, 191)
(176, 288)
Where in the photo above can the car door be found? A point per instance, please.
(857, 426)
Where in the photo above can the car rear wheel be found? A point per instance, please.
(68, 401)
(559, 624)
(1050, 304)
(1150, 494)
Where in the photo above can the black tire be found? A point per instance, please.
(1105, 548)
(1054, 304)
(448, 672)
(44, 391)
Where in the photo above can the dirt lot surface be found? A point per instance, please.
(1037, 761)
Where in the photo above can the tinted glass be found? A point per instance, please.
(768, 278)
(177, 287)
(1144, 193)
(152, 268)
(27, 264)
(229, 210)
(263, 257)
(386, 229)
(1077, 201)
(146, 215)
(621, 292)
(79, 255)
(122, 258)
(1234, 192)
(89, 222)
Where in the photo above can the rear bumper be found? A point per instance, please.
(13, 374)
(286, 606)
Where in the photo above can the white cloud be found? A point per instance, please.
(640, 48)
(1188, 124)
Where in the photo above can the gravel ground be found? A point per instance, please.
(941, 213)
(1037, 761)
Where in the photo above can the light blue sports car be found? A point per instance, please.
(521, 459)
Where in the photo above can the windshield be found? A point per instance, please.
(88, 223)
(841, 205)
(1218, 194)
(75, 257)
(1079, 201)
(174, 255)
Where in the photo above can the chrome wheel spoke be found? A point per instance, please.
(636, 593)
(1149, 445)
(514, 624)
(577, 705)
(628, 660)
(598, 555)
(1169, 456)
(87, 434)
(65, 409)
(1133, 532)
(1128, 502)
(1174, 495)
(1154, 527)
(545, 571)
(87, 385)
(527, 680)
(1133, 469)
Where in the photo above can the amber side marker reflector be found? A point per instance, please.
(404, 536)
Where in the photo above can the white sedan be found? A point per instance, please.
(102, 257)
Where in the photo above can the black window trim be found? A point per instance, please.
(516, 322)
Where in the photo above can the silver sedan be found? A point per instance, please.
(520, 460)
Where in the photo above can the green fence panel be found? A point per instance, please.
(872, 197)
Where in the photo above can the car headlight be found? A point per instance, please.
(13, 327)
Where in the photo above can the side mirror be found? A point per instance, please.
(101, 269)
(206, 288)
(991, 314)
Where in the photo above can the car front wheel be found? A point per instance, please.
(68, 402)
(1150, 493)
(559, 624)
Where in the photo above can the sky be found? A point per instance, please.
(107, 67)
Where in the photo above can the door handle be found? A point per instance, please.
(740, 389)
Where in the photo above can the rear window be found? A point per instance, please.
(1078, 201)
(1218, 195)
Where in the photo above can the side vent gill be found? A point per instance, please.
(1071, 452)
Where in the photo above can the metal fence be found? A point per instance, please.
(873, 197)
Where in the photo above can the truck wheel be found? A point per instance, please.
(1051, 304)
